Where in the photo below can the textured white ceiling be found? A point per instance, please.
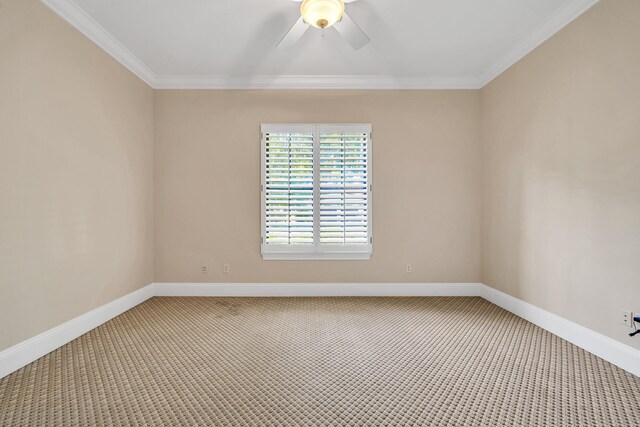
(411, 40)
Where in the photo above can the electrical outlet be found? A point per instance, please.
(204, 268)
(407, 268)
(626, 318)
(225, 268)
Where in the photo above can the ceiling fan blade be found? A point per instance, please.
(351, 32)
(294, 34)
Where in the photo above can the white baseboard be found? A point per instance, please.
(317, 289)
(32, 349)
(621, 355)
(613, 351)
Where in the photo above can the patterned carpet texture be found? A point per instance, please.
(319, 362)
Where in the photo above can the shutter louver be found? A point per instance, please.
(289, 188)
(343, 188)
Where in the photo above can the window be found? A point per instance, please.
(316, 192)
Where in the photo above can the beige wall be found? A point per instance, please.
(561, 159)
(76, 174)
(545, 161)
(426, 178)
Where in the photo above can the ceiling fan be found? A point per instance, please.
(324, 14)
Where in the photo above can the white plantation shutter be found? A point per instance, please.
(288, 187)
(343, 186)
(316, 191)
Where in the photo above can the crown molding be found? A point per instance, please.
(314, 82)
(79, 19)
(560, 19)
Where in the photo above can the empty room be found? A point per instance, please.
(320, 213)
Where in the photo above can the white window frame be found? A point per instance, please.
(316, 251)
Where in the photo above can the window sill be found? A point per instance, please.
(340, 256)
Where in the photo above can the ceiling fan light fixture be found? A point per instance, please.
(322, 13)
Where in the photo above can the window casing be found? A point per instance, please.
(316, 192)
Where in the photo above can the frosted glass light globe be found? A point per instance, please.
(322, 13)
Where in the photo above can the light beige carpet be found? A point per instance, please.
(319, 362)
